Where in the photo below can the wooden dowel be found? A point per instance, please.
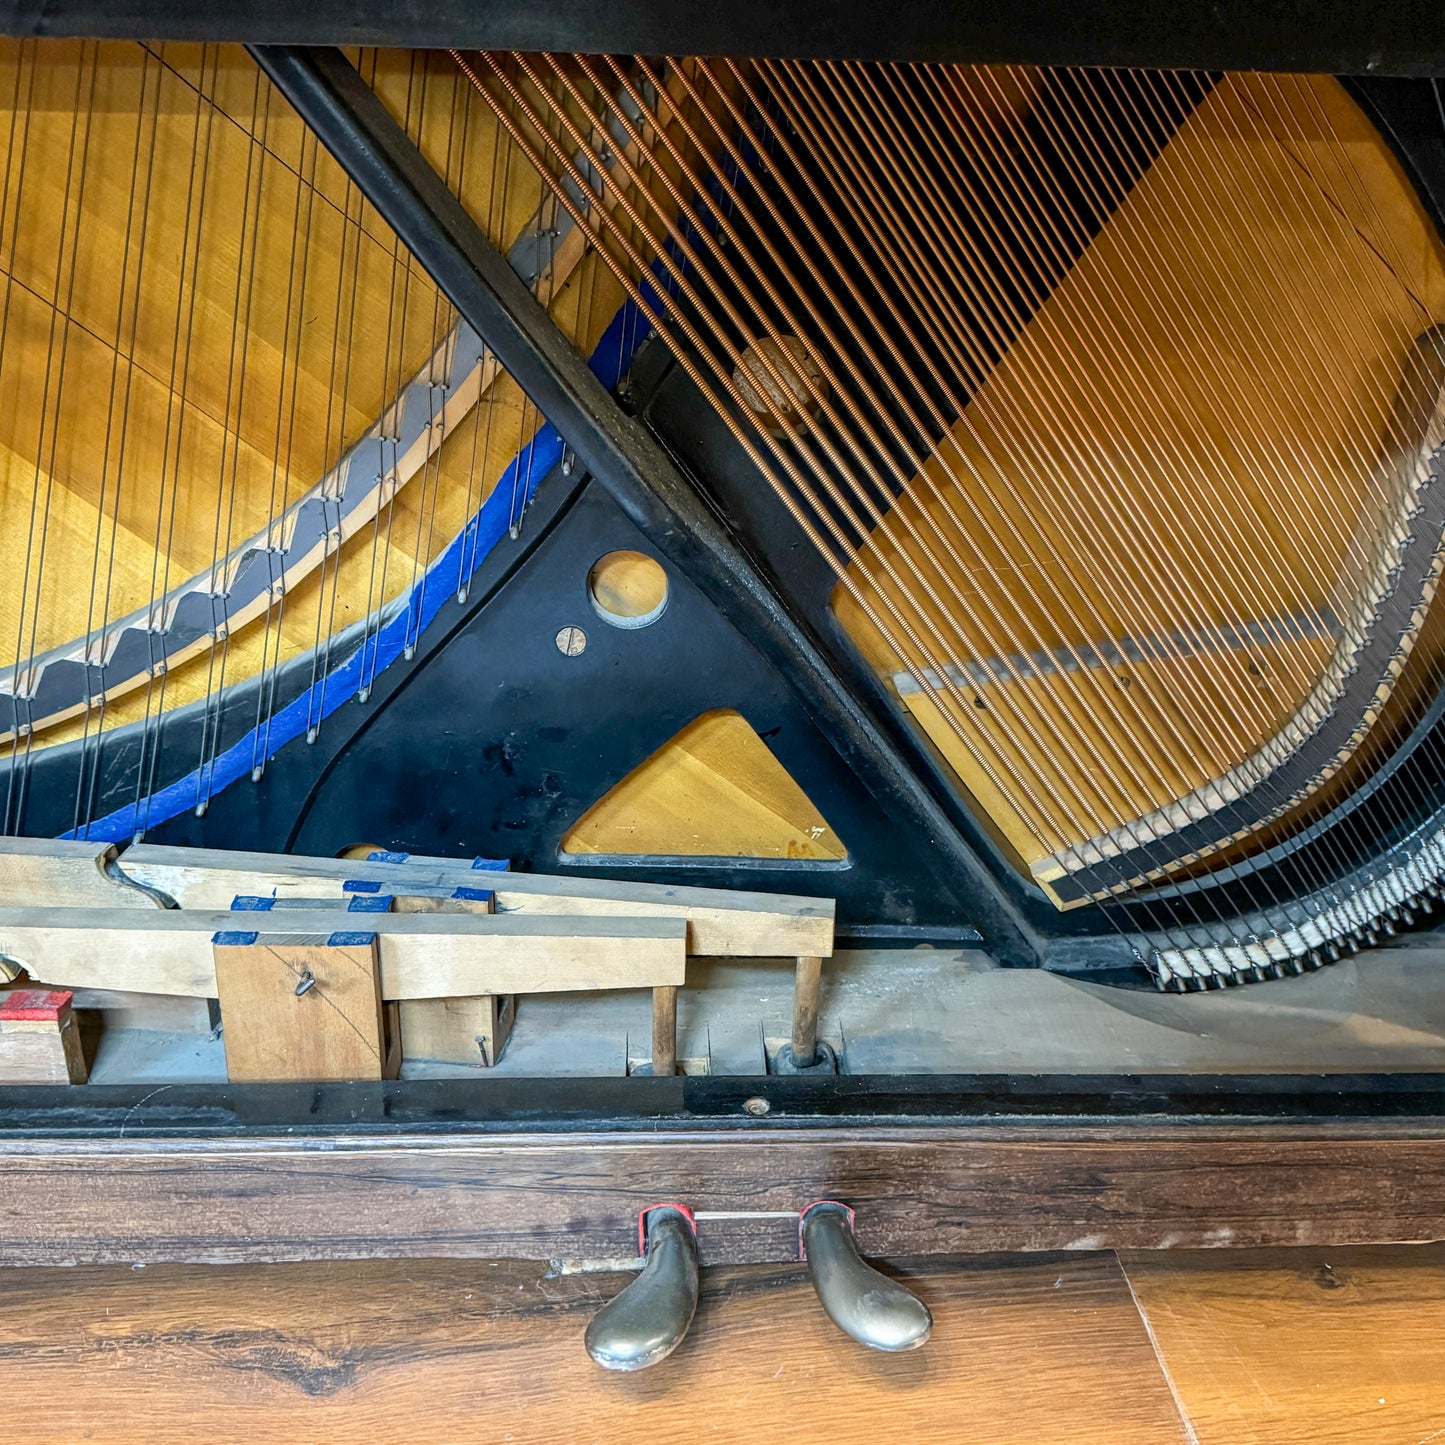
(806, 987)
(664, 1031)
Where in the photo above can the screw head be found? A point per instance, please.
(757, 1107)
(571, 642)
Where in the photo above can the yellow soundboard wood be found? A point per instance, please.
(713, 790)
(1208, 459)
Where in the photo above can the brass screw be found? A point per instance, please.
(571, 642)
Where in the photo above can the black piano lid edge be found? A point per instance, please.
(461, 1109)
(1328, 36)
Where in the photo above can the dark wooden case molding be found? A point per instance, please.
(559, 1170)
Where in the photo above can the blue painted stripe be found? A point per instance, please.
(442, 580)
(252, 903)
(235, 940)
(350, 940)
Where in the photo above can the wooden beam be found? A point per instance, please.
(68, 873)
(423, 955)
(664, 1032)
(720, 921)
(807, 985)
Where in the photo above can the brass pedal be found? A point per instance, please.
(871, 1308)
(648, 1320)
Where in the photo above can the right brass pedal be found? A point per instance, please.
(866, 1305)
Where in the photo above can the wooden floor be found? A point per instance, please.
(1223, 1348)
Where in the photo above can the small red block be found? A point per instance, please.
(34, 1003)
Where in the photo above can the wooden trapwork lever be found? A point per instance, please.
(648, 1320)
(871, 1308)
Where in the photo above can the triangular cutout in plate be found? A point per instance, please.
(714, 790)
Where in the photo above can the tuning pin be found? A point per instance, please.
(875, 1310)
(648, 1320)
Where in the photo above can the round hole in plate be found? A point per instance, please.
(628, 589)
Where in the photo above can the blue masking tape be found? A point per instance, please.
(369, 903)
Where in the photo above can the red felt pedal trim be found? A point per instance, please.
(682, 1209)
(803, 1214)
(34, 1003)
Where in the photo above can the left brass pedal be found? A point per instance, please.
(649, 1319)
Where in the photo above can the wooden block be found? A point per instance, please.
(39, 1039)
(346, 903)
(457, 1030)
(421, 899)
(423, 955)
(300, 1007)
(470, 1030)
(454, 1030)
(720, 921)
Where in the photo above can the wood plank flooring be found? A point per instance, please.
(1301, 1347)
(1207, 1348)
